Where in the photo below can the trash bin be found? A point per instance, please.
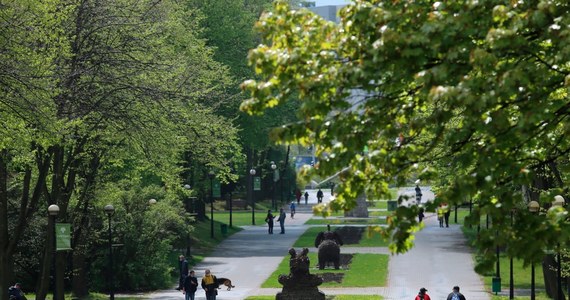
(224, 229)
(392, 205)
(496, 284)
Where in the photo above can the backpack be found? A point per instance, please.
(455, 296)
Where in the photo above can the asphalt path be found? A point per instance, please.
(439, 260)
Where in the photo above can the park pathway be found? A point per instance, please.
(439, 260)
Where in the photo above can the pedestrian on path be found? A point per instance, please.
(183, 265)
(298, 196)
(418, 192)
(455, 295)
(320, 196)
(440, 214)
(446, 214)
(190, 286)
(269, 221)
(210, 285)
(421, 214)
(306, 197)
(281, 220)
(422, 295)
(292, 207)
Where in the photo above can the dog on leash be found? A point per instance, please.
(226, 282)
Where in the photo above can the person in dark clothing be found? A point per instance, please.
(269, 221)
(418, 192)
(306, 197)
(421, 214)
(320, 196)
(15, 292)
(455, 295)
(446, 215)
(183, 265)
(190, 286)
(210, 285)
(281, 220)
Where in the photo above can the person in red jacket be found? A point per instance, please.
(422, 295)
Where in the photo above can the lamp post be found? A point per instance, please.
(252, 173)
(511, 277)
(533, 207)
(110, 210)
(558, 202)
(211, 175)
(151, 202)
(188, 241)
(53, 211)
(273, 167)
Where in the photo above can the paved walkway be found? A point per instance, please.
(439, 260)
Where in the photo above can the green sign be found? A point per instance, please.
(257, 183)
(217, 193)
(62, 236)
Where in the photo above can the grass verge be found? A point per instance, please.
(307, 239)
(366, 270)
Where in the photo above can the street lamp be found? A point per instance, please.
(188, 205)
(53, 211)
(273, 167)
(152, 202)
(511, 277)
(533, 207)
(110, 210)
(558, 202)
(211, 175)
(252, 172)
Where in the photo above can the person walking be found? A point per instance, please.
(269, 221)
(15, 292)
(421, 214)
(210, 285)
(292, 207)
(281, 220)
(422, 295)
(190, 286)
(418, 192)
(440, 214)
(183, 266)
(306, 197)
(455, 294)
(298, 196)
(446, 214)
(320, 196)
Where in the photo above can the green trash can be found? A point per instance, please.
(496, 285)
(224, 229)
(392, 205)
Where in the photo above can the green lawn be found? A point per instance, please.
(337, 297)
(379, 213)
(307, 239)
(345, 221)
(364, 271)
(379, 204)
(241, 218)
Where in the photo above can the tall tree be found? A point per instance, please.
(485, 82)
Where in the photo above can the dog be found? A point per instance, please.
(226, 282)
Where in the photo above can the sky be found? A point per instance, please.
(330, 2)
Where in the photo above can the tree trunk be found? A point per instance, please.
(5, 266)
(549, 266)
(46, 265)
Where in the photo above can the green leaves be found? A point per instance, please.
(470, 96)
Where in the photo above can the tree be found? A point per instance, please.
(481, 85)
(96, 84)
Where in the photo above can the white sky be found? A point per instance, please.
(330, 2)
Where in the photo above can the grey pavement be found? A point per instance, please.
(439, 260)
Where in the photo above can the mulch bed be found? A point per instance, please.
(349, 235)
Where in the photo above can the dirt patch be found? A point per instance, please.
(350, 234)
(345, 261)
(331, 277)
